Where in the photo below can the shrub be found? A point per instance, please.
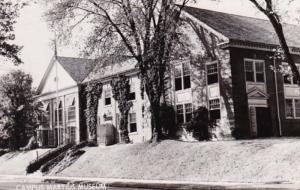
(36, 164)
(167, 118)
(199, 125)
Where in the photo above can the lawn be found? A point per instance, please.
(15, 163)
(268, 160)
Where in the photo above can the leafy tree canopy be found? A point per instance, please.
(18, 108)
(9, 11)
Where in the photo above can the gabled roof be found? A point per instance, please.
(242, 28)
(77, 68)
(255, 92)
(111, 65)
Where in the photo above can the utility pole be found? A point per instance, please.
(57, 99)
(277, 55)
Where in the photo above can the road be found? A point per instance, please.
(9, 185)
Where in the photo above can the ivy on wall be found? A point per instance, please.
(120, 91)
(93, 92)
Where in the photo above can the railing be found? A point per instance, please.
(45, 157)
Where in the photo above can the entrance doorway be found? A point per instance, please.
(264, 122)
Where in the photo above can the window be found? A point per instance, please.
(132, 123)
(71, 111)
(46, 117)
(297, 107)
(180, 114)
(214, 109)
(188, 112)
(292, 108)
(182, 76)
(288, 78)
(249, 71)
(72, 134)
(186, 76)
(132, 91)
(51, 137)
(184, 113)
(178, 79)
(255, 71)
(212, 73)
(107, 97)
(260, 74)
(59, 114)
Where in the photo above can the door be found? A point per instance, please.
(264, 122)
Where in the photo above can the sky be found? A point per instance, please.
(36, 38)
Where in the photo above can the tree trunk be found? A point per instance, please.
(278, 29)
(124, 129)
(155, 123)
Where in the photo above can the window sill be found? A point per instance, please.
(213, 84)
(107, 106)
(290, 118)
(133, 133)
(251, 82)
(183, 90)
(291, 85)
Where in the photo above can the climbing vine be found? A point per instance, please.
(93, 93)
(120, 91)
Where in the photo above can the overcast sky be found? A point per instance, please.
(33, 34)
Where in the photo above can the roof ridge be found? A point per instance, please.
(237, 15)
(68, 57)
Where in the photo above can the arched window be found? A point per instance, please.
(47, 114)
(71, 111)
(58, 111)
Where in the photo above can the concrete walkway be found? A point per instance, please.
(152, 184)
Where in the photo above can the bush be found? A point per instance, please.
(36, 164)
(199, 125)
(167, 118)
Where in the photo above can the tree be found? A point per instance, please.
(121, 92)
(147, 30)
(8, 14)
(93, 93)
(19, 108)
(275, 20)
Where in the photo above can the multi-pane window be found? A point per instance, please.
(132, 91)
(186, 75)
(107, 97)
(292, 108)
(183, 113)
(180, 114)
(254, 71)
(46, 118)
(212, 73)
(214, 109)
(58, 112)
(182, 76)
(51, 138)
(132, 123)
(188, 112)
(71, 111)
(72, 134)
(289, 79)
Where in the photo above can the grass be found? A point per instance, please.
(238, 161)
(15, 163)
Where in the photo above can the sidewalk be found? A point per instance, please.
(154, 184)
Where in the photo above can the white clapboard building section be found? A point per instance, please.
(108, 113)
(58, 91)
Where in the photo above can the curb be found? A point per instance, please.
(174, 185)
(156, 184)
